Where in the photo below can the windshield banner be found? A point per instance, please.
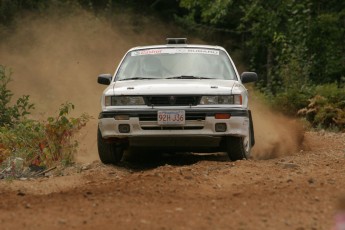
(175, 51)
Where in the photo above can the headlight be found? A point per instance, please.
(222, 100)
(124, 100)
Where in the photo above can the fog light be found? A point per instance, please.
(124, 128)
(220, 127)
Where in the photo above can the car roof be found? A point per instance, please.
(177, 46)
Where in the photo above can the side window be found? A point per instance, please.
(227, 68)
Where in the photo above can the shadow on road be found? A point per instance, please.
(149, 160)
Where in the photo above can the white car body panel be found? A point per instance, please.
(196, 132)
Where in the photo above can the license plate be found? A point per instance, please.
(171, 117)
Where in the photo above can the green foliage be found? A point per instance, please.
(323, 106)
(10, 114)
(292, 45)
(211, 12)
(9, 9)
(327, 109)
(38, 143)
(59, 144)
(327, 35)
(213, 21)
(25, 142)
(295, 46)
(21, 140)
(291, 101)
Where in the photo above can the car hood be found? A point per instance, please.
(172, 86)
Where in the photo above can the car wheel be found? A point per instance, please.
(108, 153)
(238, 148)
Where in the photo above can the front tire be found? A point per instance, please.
(238, 148)
(109, 153)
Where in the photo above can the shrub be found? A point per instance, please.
(59, 144)
(43, 144)
(291, 100)
(323, 106)
(25, 142)
(327, 108)
(20, 142)
(9, 114)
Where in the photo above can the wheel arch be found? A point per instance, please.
(251, 127)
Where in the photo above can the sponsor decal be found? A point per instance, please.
(175, 51)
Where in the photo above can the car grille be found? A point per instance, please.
(172, 100)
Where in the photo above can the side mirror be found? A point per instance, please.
(104, 79)
(247, 77)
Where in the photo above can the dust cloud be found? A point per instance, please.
(275, 134)
(57, 58)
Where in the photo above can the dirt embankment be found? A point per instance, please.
(293, 181)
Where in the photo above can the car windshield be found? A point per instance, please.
(179, 63)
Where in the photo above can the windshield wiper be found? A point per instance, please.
(188, 77)
(136, 78)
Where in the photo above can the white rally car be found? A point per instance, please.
(175, 97)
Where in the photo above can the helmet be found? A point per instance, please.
(151, 66)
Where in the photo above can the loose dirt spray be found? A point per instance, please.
(275, 134)
(57, 58)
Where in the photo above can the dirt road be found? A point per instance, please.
(297, 191)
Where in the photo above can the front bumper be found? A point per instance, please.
(199, 123)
